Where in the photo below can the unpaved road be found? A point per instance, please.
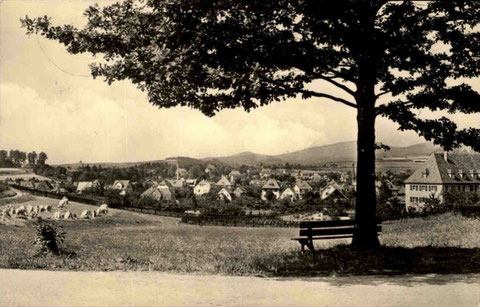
(48, 288)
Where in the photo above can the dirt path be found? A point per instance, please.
(47, 288)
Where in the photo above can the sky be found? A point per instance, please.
(48, 102)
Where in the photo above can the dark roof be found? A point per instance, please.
(437, 169)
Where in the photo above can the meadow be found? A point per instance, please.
(130, 241)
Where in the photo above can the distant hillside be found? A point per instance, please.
(185, 161)
(421, 149)
(182, 162)
(247, 158)
(338, 152)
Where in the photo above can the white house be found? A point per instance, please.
(203, 187)
(123, 186)
(288, 193)
(442, 172)
(332, 190)
(301, 188)
(270, 186)
(224, 182)
(225, 194)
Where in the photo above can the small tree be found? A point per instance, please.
(49, 238)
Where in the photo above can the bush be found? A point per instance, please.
(49, 238)
(391, 209)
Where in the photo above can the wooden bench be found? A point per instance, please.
(322, 230)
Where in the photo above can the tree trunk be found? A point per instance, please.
(365, 206)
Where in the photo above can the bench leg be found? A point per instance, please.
(303, 243)
(311, 247)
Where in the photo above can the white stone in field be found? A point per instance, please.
(29, 209)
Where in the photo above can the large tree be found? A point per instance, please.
(389, 58)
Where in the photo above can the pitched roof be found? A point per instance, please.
(82, 185)
(204, 182)
(288, 190)
(124, 183)
(437, 169)
(174, 183)
(235, 173)
(303, 185)
(224, 181)
(271, 184)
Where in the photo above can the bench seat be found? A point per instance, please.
(323, 230)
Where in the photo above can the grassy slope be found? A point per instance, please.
(124, 241)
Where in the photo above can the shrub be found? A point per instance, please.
(391, 209)
(49, 238)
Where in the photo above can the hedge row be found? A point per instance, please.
(243, 220)
(89, 200)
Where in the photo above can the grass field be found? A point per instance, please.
(131, 241)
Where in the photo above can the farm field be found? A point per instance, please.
(15, 173)
(132, 241)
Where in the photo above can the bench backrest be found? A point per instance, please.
(328, 228)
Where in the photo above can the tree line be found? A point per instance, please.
(17, 158)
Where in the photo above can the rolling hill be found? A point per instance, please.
(338, 152)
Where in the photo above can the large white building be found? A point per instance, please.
(442, 172)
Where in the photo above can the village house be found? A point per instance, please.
(181, 173)
(257, 182)
(124, 186)
(270, 186)
(224, 182)
(288, 193)
(234, 176)
(225, 194)
(159, 192)
(191, 182)
(265, 173)
(83, 185)
(175, 183)
(442, 172)
(210, 168)
(332, 190)
(44, 186)
(301, 188)
(28, 184)
(203, 187)
(239, 191)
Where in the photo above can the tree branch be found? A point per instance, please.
(322, 95)
(337, 84)
(382, 93)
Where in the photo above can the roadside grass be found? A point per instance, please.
(124, 241)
